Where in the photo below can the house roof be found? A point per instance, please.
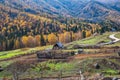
(59, 44)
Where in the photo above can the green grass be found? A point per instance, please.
(118, 43)
(72, 65)
(18, 52)
(115, 44)
(55, 66)
(52, 69)
(109, 72)
(94, 40)
(117, 35)
(14, 53)
(4, 64)
(91, 40)
(49, 69)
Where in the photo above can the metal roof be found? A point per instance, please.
(59, 44)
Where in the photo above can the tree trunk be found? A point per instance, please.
(15, 76)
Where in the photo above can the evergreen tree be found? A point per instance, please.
(42, 40)
(84, 34)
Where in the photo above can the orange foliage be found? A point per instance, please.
(52, 38)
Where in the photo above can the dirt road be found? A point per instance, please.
(100, 55)
(114, 38)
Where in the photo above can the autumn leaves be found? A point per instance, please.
(50, 39)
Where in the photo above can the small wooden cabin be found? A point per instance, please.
(58, 46)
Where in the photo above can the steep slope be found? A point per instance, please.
(35, 6)
(19, 28)
(93, 10)
(25, 20)
(88, 9)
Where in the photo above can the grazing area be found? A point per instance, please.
(117, 35)
(43, 62)
(19, 52)
(59, 39)
(93, 40)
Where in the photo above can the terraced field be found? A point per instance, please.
(91, 40)
(19, 52)
(76, 62)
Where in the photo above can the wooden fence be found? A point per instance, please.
(56, 75)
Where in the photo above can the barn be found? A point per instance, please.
(58, 46)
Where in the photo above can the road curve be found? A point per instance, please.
(114, 39)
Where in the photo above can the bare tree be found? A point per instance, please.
(18, 68)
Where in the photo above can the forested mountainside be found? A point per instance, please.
(21, 29)
(87, 9)
(30, 23)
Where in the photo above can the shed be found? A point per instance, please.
(80, 51)
(58, 45)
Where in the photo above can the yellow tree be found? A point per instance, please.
(88, 33)
(67, 37)
(38, 40)
(52, 38)
(61, 37)
(24, 40)
(31, 41)
(17, 44)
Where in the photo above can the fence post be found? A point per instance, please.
(81, 75)
(41, 74)
(60, 75)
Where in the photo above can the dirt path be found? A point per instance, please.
(99, 55)
(32, 57)
(114, 38)
(27, 57)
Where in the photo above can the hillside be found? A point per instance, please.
(23, 29)
(59, 39)
(27, 62)
(93, 40)
(22, 22)
(88, 9)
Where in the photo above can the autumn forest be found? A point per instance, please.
(20, 29)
